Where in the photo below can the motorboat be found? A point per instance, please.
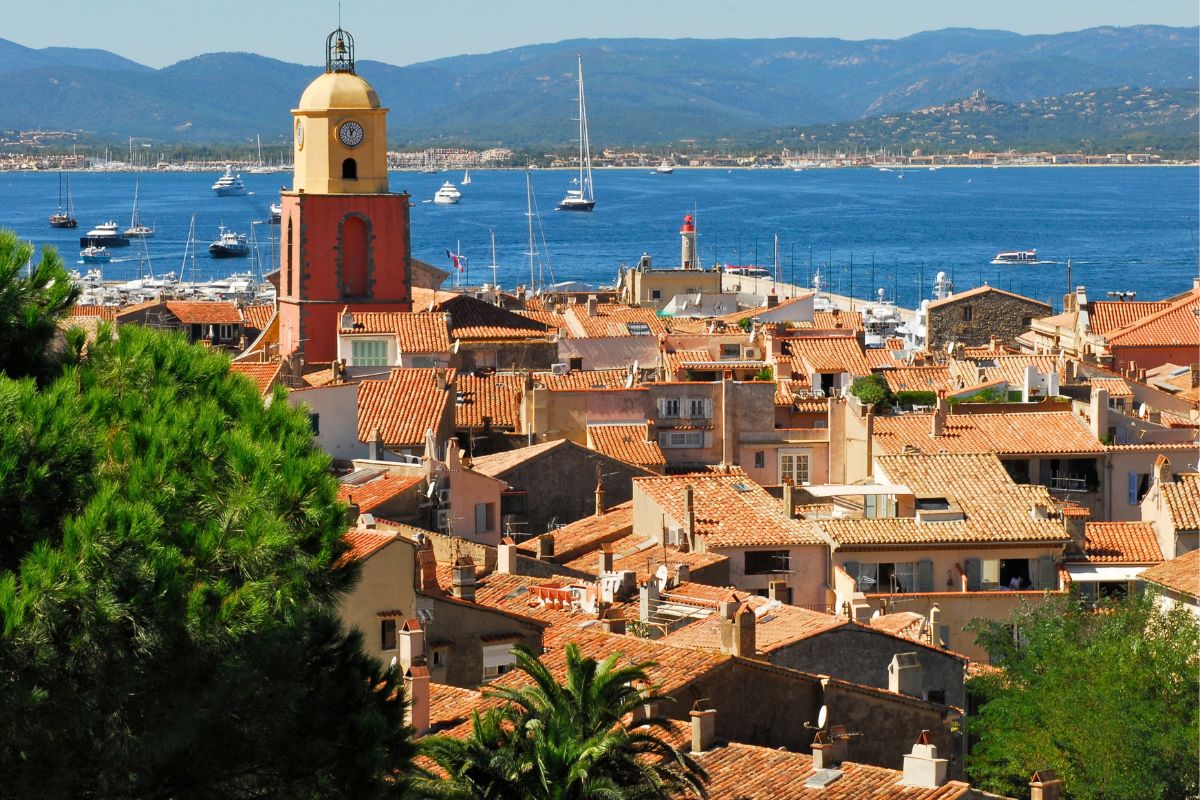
(581, 198)
(448, 195)
(1016, 257)
(95, 255)
(275, 212)
(746, 271)
(229, 245)
(229, 184)
(107, 234)
(665, 168)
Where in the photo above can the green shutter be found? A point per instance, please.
(974, 574)
(924, 575)
(1046, 573)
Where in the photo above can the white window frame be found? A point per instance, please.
(669, 407)
(698, 408)
(365, 352)
(682, 439)
(497, 660)
(793, 472)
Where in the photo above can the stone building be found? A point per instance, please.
(973, 317)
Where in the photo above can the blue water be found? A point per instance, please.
(1124, 228)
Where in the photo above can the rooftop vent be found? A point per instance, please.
(741, 487)
(822, 778)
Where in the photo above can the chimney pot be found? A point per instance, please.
(904, 674)
(506, 557)
(938, 420)
(822, 752)
(463, 586)
(704, 728)
(426, 568)
(591, 305)
(545, 547)
(922, 767)
(606, 559)
(599, 498)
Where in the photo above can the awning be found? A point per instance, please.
(1104, 573)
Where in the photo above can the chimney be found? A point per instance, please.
(591, 305)
(463, 586)
(647, 600)
(606, 559)
(939, 414)
(840, 742)
(416, 690)
(545, 547)
(1162, 470)
(439, 378)
(352, 511)
(935, 620)
(347, 319)
(650, 431)
(1044, 785)
(778, 590)
(738, 634)
(599, 497)
(728, 607)
(689, 517)
(922, 767)
(426, 568)
(412, 644)
(506, 557)
(704, 727)
(904, 674)
(772, 300)
(789, 500)
(822, 752)
(375, 446)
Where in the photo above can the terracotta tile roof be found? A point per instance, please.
(431, 299)
(1180, 574)
(994, 508)
(258, 315)
(264, 375)
(813, 354)
(981, 290)
(776, 627)
(317, 377)
(678, 360)
(450, 706)
(641, 556)
(191, 312)
(370, 495)
(611, 319)
(792, 390)
(746, 313)
(1008, 434)
(918, 379)
(403, 407)
(586, 535)
(364, 542)
(583, 379)
(497, 396)
(103, 312)
(551, 319)
(1182, 497)
(475, 319)
(1011, 368)
(415, 332)
(1116, 387)
(729, 510)
(497, 464)
(1121, 542)
(1174, 326)
(1105, 316)
(906, 624)
(837, 319)
(627, 443)
(751, 772)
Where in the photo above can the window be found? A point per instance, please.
(877, 506)
(637, 328)
(291, 272)
(656, 294)
(682, 439)
(891, 577)
(226, 332)
(353, 247)
(1012, 574)
(485, 517)
(765, 562)
(368, 353)
(575, 364)
(1139, 484)
(699, 408)
(497, 660)
(1026, 322)
(440, 657)
(968, 313)
(760, 459)
(731, 350)
(387, 634)
(668, 407)
(794, 467)
(314, 422)
(349, 170)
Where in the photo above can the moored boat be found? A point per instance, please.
(448, 194)
(95, 255)
(1016, 257)
(107, 234)
(581, 199)
(229, 245)
(229, 184)
(64, 218)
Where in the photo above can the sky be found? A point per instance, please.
(162, 32)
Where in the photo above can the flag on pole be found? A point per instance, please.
(457, 261)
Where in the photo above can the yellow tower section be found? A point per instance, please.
(340, 130)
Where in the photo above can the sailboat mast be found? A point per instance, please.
(495, 266)
(582, 130)
(529, 219)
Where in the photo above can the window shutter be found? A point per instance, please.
(480, 517)
(851, 568)
(662, 406)
(974, 574)
(1046, 573)
(1133, 488)
(924, 575)
(708, 409)
(708, 439)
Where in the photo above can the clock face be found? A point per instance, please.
(299, 134)
(350, 134)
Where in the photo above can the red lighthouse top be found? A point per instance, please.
(688, 227)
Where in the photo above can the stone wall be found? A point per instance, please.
(993, 313)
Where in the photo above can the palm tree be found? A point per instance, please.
(569, 741)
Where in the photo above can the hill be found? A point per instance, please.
(640, 91)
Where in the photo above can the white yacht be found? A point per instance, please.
(665, 168)
(229, 184)
(1016, 257)
(582, 198)
(448, 195)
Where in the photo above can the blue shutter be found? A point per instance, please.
(974, 574)
(924, 575)
(1133, 489)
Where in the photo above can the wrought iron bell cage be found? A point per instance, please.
(339, 52)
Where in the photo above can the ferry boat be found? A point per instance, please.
(107, 234)
(95, 255)
(229, 185)
(1016, 257)
(447, 195)
(229, 245)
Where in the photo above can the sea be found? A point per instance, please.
(1121, 229)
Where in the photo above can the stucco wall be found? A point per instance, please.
(338, 409)
(457, 628)
(806, 577)
(386, 584)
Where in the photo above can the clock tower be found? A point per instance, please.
(344, 238)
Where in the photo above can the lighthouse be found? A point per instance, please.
(344, 237)
(687, 235)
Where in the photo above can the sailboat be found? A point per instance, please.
(466, 181)
(64, 219)
(581, 199)
(259, 168)
(136, 229)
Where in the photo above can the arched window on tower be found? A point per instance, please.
(349, 170)
(353, 248)
(287, 262)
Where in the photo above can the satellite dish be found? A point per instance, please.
(393, 662)
(1142, 410)
(875, 614)
(821, 715)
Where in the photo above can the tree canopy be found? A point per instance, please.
(565, 741)
(168, 568)
(872, 390)
(1105, 697)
